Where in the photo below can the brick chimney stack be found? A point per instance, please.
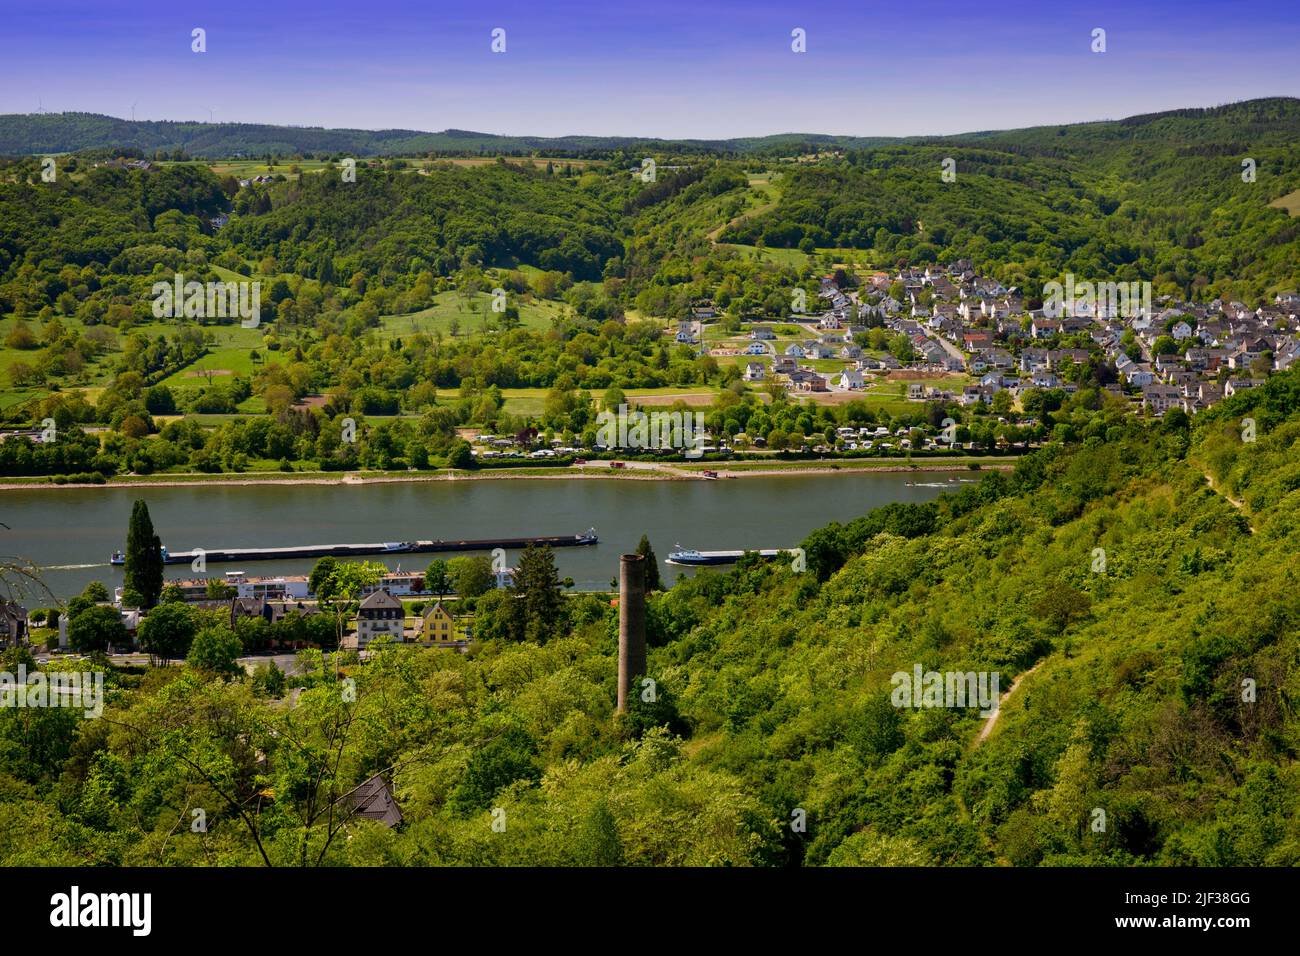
(631, 625)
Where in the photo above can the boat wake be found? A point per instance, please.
(72, 567)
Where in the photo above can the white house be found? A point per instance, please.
(380, 616)
(850, 379)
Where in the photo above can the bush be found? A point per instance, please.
(216, 649)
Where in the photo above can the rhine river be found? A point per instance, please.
(69, 533)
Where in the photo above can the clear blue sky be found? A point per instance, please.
(679, 68)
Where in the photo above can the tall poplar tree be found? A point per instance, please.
(144, 562)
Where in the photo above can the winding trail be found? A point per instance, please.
(1239, 505)
(993, 718)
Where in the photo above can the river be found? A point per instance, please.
(71, 532)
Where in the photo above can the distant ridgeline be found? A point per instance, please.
(1223, 130)
(30, 133)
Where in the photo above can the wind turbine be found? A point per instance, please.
(133, 111)
(40, 107)
(211, 110)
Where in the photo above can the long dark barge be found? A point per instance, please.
(241, 555)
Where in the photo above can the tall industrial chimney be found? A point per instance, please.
(631, 625)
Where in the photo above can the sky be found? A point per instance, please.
(668, 68)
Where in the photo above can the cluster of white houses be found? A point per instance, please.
(958, 321)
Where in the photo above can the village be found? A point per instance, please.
(401, 608)
(947, 336)
(949, 322)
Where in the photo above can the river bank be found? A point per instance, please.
(634, 471)
(69, 533)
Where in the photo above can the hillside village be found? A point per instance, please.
(1176, 354)
(949, 337)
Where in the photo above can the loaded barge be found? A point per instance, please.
(240, 555)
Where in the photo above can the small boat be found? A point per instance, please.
(118, 558)
(711, 476)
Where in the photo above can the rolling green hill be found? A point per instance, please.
(1161, 198)
(1146, 617)
(29, 133)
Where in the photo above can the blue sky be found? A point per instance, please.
(669, 68)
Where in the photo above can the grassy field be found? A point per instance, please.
(764, 195)
(471, 314)
(785, 257)
(529, 401)
(1290, 202)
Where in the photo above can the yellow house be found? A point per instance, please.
(438, 625)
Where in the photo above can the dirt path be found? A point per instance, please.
(1239, 505)
(756, 211)
(748, 214)
(993, 718)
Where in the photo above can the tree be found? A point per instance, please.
(536, 589)
(471, 575)
(461, 455)
(437, 579)
(144, 563)
(598, 842)
(652, 579)
(215, 649)
(613, 398)
(320, 573)
(494, 617)
(339, 592)
(168, 630)
(511, 756)
(1062, 604)
(96, 628)
(218, 590)
(95, 592)
(269, 680)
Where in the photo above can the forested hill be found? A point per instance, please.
(25, 134)
(1149, 614)
(1222, 130)
(1184, 200)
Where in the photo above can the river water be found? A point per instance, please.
(71, 532)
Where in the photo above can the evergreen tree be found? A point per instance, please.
(144, 563)
(538, 601)
(652, 580)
